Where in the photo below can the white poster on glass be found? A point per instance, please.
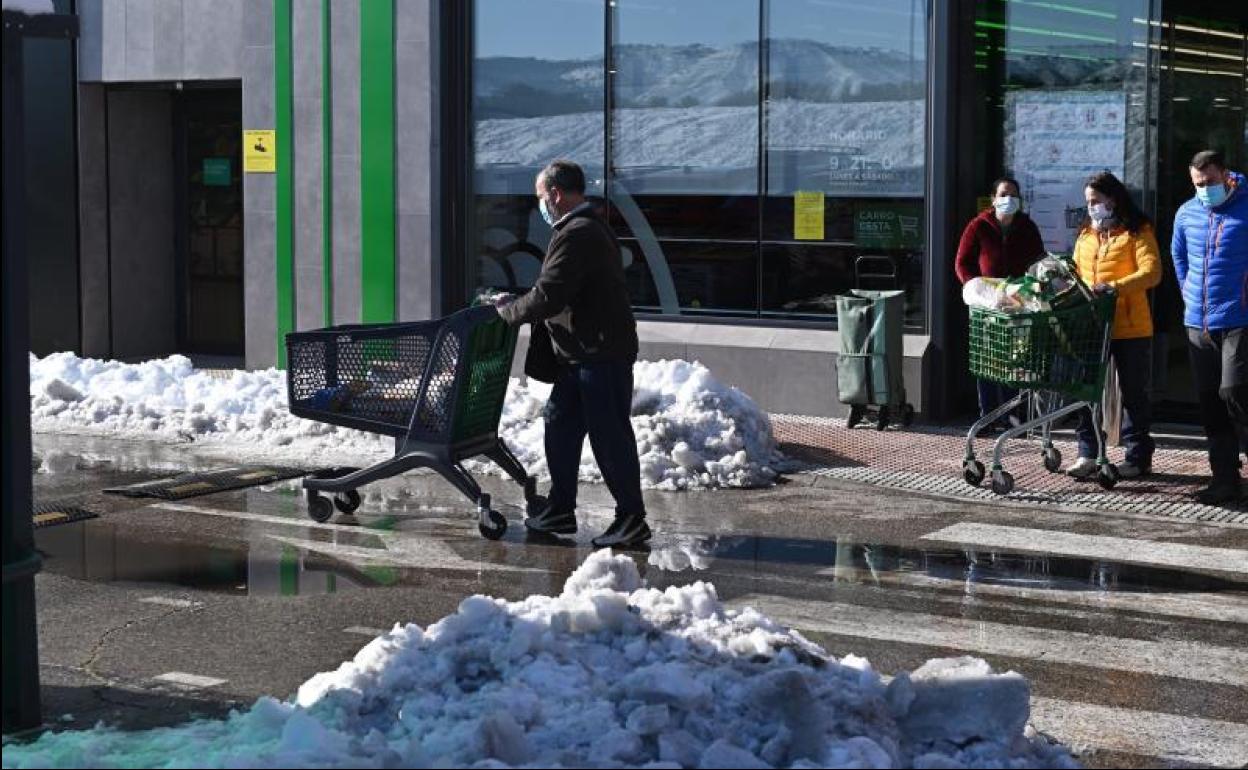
(1054, 141)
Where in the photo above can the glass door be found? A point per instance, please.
(211, 221)
(1202, 69)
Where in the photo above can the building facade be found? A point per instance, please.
(756, 158)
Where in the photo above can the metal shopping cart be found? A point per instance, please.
(437, 387)
(1057, 360)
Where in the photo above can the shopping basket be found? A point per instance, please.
(1056, 359)
(436, 386)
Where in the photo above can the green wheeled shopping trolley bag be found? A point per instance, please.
(868, 367)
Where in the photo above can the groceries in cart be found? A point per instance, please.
(1045, 335)
(383, 381)
(1048, 283)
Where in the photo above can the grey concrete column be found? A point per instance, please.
(212, 31)
(166, 43)
(93, 221)
(345, 125)
(419, 268)
(139, 25)
(308, 148)
(259, 194)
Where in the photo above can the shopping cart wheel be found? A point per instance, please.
(1107, 476)
(1052, 460)
(1002, 482)
(347, 501)
(907, 415)
(973, 471)
(855, 415)
(491, 524)
(320, 508)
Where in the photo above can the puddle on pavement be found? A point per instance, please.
(304, 561)
(849, 560)
(97, 551)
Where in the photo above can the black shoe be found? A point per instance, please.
(1220, 491)
(624, 532)
(552, 522)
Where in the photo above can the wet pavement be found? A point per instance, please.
(927, 458)
(1130, 627)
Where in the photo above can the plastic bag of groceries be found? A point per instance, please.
(1010, 295)
(1054, 274)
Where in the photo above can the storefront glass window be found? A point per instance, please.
(846, 115)
(537, 94)
(1065, 93)
(755, 157)
(684, 152)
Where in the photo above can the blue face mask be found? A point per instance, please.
(547, 214)
(1211, 195)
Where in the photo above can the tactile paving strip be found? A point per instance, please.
(196, 484)
(929, 459)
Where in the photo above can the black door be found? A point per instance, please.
(1203, 63)
(208, 131)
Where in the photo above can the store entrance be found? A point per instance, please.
(209, 211)
(1203, 62)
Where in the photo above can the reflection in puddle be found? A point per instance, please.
(323, 560)
(94, 551)
(845, 559)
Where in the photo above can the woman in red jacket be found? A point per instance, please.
(1001, 242)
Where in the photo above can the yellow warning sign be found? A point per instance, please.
(807, 216)
(260, 151)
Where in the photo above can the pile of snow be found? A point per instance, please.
(609, 673)
(693, 432)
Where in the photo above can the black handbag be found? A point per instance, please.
(540, 362)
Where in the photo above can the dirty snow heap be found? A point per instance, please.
(609, 673)
(693, 432)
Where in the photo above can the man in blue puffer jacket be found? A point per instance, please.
(1210, 251)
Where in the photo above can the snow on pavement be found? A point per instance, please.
(609, 673)
(693, 431)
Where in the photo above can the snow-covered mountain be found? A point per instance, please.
(694, 75)
(860, 147)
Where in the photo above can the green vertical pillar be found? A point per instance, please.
(377, 154)
(283, 107)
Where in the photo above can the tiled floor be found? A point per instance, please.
(928, 458)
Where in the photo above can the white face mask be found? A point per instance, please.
(1005, 205)
(1099, 212)
(548, 214)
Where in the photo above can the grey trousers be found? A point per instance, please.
(1220, 364)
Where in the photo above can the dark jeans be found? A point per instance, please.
(1134, 361)
(593, 399)
(992, 395)
(1220, 364)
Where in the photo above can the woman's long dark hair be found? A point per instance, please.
(1126, 212)
(1006, 180)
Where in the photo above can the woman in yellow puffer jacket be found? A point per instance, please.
(1117, 251)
